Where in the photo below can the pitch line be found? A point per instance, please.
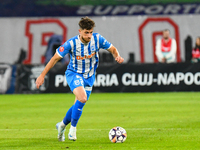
(134, 129)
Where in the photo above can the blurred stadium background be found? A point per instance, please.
(166, 117)
(32, 30)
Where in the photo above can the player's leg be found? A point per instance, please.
(81, 99)
(61, 125)
(67, 118)
(72, 131)
(82, 94)
(73, 81)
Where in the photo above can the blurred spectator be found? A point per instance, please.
(54, 42)
(196, 51)
(166, 48)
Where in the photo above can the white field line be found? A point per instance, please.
(134, 129)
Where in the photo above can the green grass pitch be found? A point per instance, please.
(152, 120)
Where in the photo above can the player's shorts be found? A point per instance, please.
(75, 80)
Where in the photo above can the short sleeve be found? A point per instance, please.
(64, 49)
(103, 43)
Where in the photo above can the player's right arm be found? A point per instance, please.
(50, 64)
(60, 53)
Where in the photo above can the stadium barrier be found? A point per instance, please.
(116, 78)
(7, 78)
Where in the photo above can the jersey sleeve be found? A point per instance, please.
(103, 43)
(64, 49)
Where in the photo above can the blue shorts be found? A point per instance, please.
(75, 80)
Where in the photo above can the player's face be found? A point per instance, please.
(166, 35)
(85, 35)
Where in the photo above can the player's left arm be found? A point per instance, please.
(115, 54)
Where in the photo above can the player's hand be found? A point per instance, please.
(119, 59)
(39, 81)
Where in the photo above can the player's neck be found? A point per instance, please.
(82, 40)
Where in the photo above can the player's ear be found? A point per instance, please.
(79, 31)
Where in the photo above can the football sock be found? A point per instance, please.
(62, 124)
(72, 128)
(76, 112)
(67, 118)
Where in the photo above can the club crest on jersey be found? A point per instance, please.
(92, 48)
(84, 57)
(61, 49)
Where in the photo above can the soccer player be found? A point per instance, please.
(80, 73)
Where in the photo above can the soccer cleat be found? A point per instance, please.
(61, 132)
(72, 134)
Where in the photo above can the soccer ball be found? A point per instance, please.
(117, 135)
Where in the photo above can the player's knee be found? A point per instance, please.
(83, 99)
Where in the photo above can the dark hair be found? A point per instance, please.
(166, 30)
(86, 23)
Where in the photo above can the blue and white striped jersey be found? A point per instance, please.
(84, 58)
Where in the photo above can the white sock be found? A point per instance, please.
(72, 128)
(62, 124)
